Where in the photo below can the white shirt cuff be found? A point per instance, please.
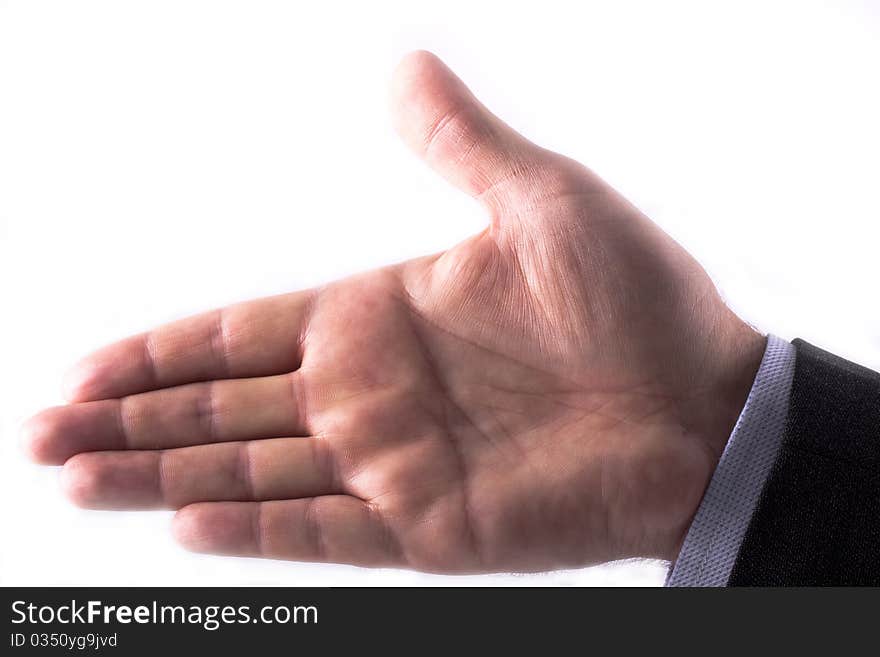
(713, 541)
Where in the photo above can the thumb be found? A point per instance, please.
(444, 123)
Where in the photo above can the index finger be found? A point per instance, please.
(250, 339)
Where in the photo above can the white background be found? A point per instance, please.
(162, 158)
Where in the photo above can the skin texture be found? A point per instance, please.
(553, 392)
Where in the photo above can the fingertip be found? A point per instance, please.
(414, 64)
(79, 381)
(183, 527)
(190, 529)
(30, 439)
(421, 85)
(416, 71)
(212, 527)
(36, 438)
(80, 482)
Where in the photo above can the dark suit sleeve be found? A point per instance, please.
(817, 520)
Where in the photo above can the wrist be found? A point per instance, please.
(734, 373)
(711, 414)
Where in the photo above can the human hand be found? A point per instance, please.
(553, 392)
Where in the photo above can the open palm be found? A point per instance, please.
(554, 391)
